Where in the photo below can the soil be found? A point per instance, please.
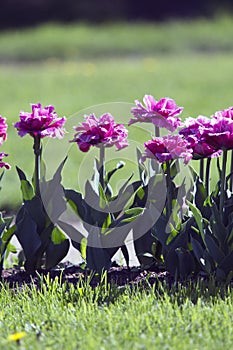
(67, 272)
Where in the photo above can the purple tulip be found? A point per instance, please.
(41, 122)
(3, 164)
(226, 113)
(220, 135)
(3, 129)
(195, 132)
(167, 148)
(162, 113)
(102, 131)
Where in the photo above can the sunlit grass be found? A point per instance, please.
(198, 316)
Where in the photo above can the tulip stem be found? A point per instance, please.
(223, 183)
(231, 172)
(37, 152)
(169, 190)
(101, 170)
(207, 176)
(201, 169)
(157, 133)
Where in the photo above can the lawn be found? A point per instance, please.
(57, 317)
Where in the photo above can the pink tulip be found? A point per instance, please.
(3, 129)
(162, 113)
(167, 148)
(42, 121)
(102, 131)
(3, 164)
(194, 133)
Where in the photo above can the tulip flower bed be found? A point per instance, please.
(183, 230)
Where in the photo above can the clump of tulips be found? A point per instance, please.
(188, 233)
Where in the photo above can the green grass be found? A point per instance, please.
(108, 64)
(57, 317)
(116, 40)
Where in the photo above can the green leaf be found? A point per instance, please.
(76, 202)
(52, 194)
(218, 228)
(107, 178)
(186, 262)
(11, 248)
(96, 176)
(98, 258)
(26, 187)
(174, 169)
(126, 199)
(28, 237)
(198, 218)
(102, 198)
(21, 174)
(141, 168)
(140, 193)
(55, 253)
(123, 189)
(125, 254)
(34, 208)
(27, 190)
(230, 236)
(172, 262)
(132, 214)
(198, 250)
(106, 223)
(172, 235)
(2, 221)
(57, 236)
(8, 233)
(227, 263)
(8, 248)
(75, 235)
(83, 248)
(1, 176)
(143, 247)
(213, 249)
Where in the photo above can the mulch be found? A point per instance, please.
(69, 273)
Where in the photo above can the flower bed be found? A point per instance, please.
(182, 230)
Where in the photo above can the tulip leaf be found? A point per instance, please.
(106, 223)
(213, 249)
(57, 236)
(28, 237)
(76, 202)
(143, 246)
(26, 188)
(218, 228)
(125, 254)
(107, 178)
(21, 174)
(83, 248)
(132, 214)
(186, 262)
(8, 233)
(198, 218)
(56, 252)
(198, 250)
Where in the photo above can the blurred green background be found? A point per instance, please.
(78, 65)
